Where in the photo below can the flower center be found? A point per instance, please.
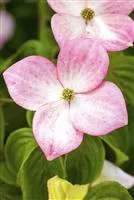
(87, 14)
(68, 94)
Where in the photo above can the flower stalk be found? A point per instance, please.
(63, 165)
(41, 19)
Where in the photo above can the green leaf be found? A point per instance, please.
(129, 51)
(3, 89)
(6, 175)
(51, 48)
(32, 47)
(121, 72)
(108, 191)
(85, 163)
(2, 131)
(61, 189)
(36, 171)
(115, 141)
(29, 117)
(8, 192)
(45, 33)
(15, 117)
(129, 166)
(18, 148)
(32, 177)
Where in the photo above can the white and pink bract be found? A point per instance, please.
(106, 21)
(111, 172)
(70, 99)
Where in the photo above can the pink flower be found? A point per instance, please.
(104, 20)
(70, 99)
(6, 27)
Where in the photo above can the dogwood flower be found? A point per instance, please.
(104, 20)
(70, 99)
(111, 172)
(7, 26)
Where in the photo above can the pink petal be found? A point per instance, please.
(73, 7)
(99, 112)
(32, 82)
(111, 6)
(82, 64)
(114, 32)
(53, 130)
(67, 27)
(7, 26)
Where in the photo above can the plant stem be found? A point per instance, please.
(63, 165)
(65, 161)
(41, 17)
(5, 100)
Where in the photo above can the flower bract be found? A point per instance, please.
(111, 172)
(70, 99)
(105, 21)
